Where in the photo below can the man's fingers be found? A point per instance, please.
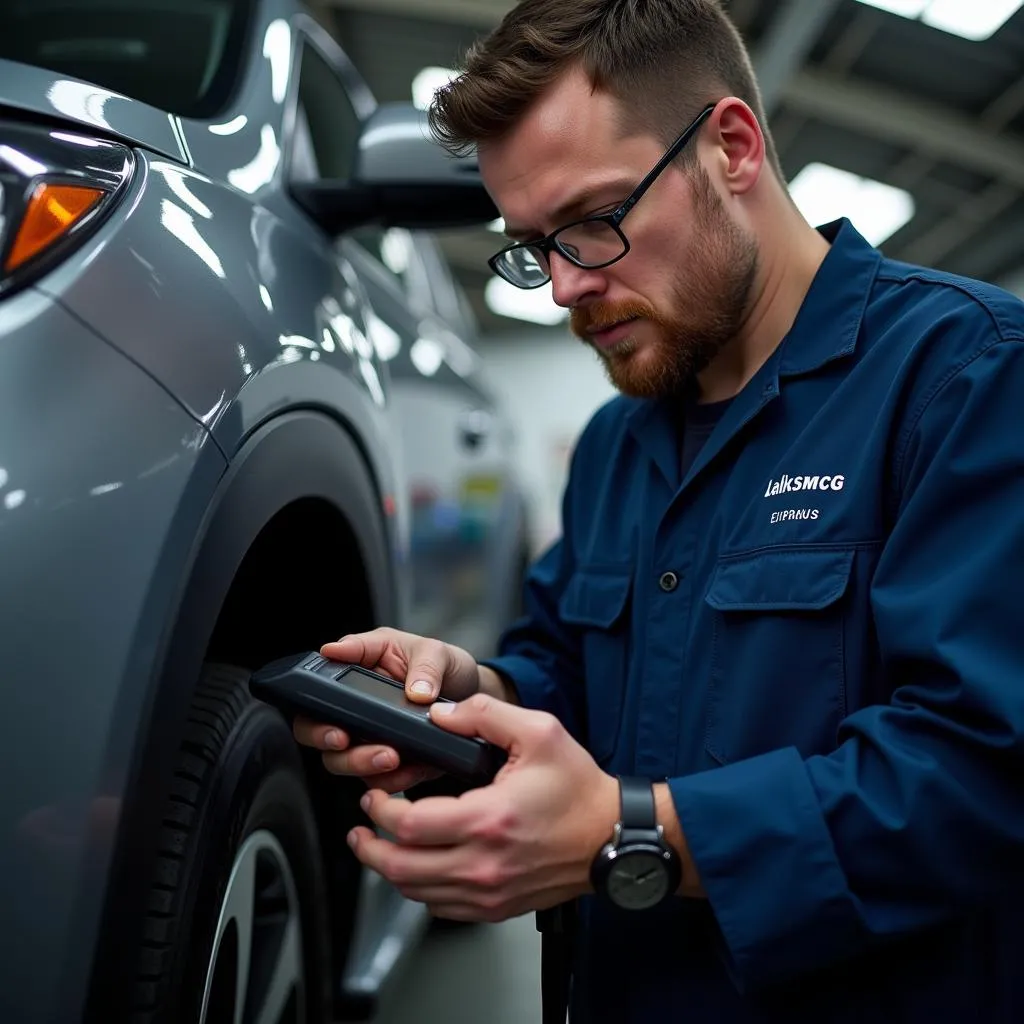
(366, 649)
(363, 761)
(434, 821)
(404, 779)
(418, 663)
(502, 724)
(318, 735)
(400, 780)
(404, 866)
(454, 911)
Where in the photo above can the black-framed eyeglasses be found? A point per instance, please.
(591, 243)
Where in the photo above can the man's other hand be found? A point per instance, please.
(523, 843)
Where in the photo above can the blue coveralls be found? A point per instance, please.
(817, 639)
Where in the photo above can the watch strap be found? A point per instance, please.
(638, 811)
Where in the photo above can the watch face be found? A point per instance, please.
(638, 880)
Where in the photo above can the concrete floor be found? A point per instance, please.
(480, 974)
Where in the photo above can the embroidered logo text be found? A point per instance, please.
(792, 484)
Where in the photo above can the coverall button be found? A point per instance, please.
(668, 582)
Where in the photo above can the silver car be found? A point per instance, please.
(240, 414)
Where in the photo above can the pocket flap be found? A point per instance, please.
(783, 580)
(596, 598)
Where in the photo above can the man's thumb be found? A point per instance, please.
(490, 719)
(423, 682)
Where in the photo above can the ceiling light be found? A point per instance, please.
(824, 194)
(536, 306)
(427, 356)
(905, 8)
(971, 19)
(974, 21)
(427, 82)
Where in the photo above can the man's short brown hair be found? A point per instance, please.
(662, 59)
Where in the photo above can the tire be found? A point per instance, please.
(238, 812)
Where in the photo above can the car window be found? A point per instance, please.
(327, 127)
(178, 55)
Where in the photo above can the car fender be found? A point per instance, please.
(301, 454)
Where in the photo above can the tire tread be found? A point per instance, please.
(220, 699)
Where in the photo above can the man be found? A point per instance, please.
(787, 595)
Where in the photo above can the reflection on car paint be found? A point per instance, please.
(182, 226)
(260, 170)
(236, 124)
(277, 48)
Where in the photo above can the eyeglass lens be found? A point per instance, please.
(592, 243)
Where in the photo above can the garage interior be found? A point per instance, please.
(908, 124)
(908, 117)
(160, 352)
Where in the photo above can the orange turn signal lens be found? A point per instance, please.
(52, 211)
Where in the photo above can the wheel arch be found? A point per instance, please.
(301, 470)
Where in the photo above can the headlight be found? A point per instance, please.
(55, 186)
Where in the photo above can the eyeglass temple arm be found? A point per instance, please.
(670, 155)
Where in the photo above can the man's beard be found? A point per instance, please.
(709, 303)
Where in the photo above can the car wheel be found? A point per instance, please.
(236, 926)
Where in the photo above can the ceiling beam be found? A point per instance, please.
(786, 44)
(1004, 108)
(478, 13)
(918, 124)
(853, 42)
(964, 223)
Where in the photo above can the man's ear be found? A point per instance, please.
(739, 145)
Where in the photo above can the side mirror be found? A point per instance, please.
(403, 178)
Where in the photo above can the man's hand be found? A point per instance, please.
(523, 843)
(428, 668)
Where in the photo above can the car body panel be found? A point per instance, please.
(37, 91)
(86, 517)
(204, 342)
(274, 300)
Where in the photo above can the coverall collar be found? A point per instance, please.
(826, 328)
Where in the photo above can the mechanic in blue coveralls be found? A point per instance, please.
(789, 592)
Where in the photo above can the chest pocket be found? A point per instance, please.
(596, 604)
(778, 667)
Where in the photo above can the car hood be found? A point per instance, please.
(36, 90)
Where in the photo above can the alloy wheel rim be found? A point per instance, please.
(255, 974)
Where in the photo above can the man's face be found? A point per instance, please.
(659, 315)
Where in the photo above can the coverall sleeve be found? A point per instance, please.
(540, 654)
(918, 815)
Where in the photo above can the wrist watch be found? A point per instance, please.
(637, 869)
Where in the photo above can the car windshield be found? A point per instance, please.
(179, 55)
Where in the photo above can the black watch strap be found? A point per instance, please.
(638, 812)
